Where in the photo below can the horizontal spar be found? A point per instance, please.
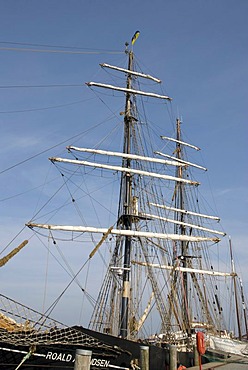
(122, 169)
(134, 73)
(185, 269)
(184, 211)
(198, 227)
(130, 91)
(134, 233)
(181, 161)
(126, 155)
(180, 142)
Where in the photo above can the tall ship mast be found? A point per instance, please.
(133, 207)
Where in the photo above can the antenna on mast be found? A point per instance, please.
(126, 47)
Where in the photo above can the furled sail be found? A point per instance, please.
(130, 91)
(124, 155)
(181, 161)
(183, 224)
(184, 211)
(187, 269)
(134, 233)
(180, 142)
(122, 169)
(134, 73)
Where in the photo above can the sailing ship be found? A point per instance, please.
(141, 206)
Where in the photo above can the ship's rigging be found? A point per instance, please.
(144, 231)
(160, 285)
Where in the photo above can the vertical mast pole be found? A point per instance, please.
(180, 188)
(235, 290)
(244, 307)
(127, 218)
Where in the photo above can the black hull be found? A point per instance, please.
(121, 353)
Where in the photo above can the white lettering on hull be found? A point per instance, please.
(99, 362)
(67, 357)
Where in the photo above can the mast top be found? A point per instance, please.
(135, 36)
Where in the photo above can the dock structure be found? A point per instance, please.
(230, 363)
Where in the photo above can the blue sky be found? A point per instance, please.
(198, 48)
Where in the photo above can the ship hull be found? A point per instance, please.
(123, 354)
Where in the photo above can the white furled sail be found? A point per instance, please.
(137, 74)
(187, 269)
(123, 169)
(130, 91)
(134, 233)
(181, 161)
(123, 155)
(184, 211)
(180, 142)
(184, 224)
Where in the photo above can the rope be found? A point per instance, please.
(59, 51)
(26, 357)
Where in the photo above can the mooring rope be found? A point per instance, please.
(26, 357)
